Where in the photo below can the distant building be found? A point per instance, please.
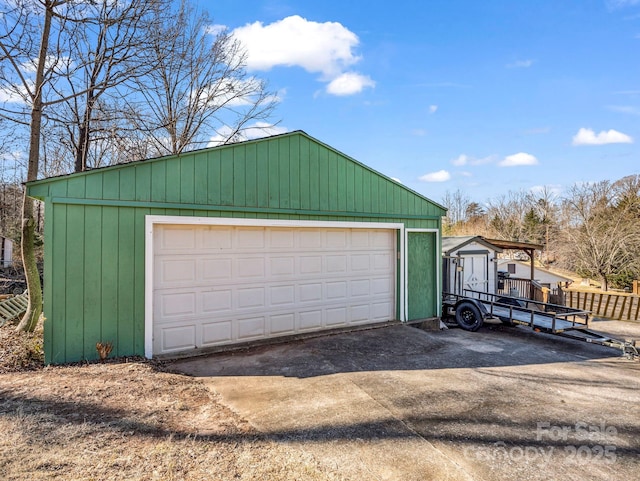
(6, 252)
(522, 270)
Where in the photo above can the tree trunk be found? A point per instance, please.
(604, 283)
(30, 319)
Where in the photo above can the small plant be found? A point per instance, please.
(104, 349)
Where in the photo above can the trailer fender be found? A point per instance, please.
(470, 314)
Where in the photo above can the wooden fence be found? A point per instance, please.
(625, 307)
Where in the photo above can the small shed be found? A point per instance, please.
(469, 262)
(263, 239)
(6, 252)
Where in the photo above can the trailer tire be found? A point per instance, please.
(510, 301)
(468, 316)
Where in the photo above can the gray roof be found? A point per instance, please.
(452, 243)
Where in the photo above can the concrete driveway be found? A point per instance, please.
(398, 403)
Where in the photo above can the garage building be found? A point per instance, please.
(263, 239)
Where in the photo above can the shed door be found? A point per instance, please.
(422, 275)
(476, 272)
(217, 285)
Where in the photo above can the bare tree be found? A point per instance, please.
(199, 89)
(18, 46)
(62, 63)
(506, 216)
(107, 50)
(600, 230)
(457, 204)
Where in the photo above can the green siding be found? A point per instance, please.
(95, 224)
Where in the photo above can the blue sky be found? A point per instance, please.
(482, 96)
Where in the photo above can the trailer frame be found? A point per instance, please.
(472, 307)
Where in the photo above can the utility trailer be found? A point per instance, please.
(471, 308)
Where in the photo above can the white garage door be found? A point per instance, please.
(217, 285)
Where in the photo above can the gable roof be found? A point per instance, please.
(454, 243)
(288, 171)
(560, 277)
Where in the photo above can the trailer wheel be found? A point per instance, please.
(510, 301)
(468, 316)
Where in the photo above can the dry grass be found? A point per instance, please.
(129, 421)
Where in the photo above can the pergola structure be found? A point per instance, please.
(527, 247)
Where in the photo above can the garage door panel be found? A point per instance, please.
(310, 292)
(283, 324)
(360, 313)
(381, 310)
(216, 237)
(360, 262)
(337, 290)
(282, 295)
(214, 333)
(250, 297)
(336, 264)
(360, 288)
(310, 320)
(216, 268)
(217, 301)
(250, 238)
(310, 265)
(251, 328)
(180, 238)
(178, 338)
(380, 239)
(382, 262)
(381, 285)
(235, 284)
(179, 304)
(281, 238)
(250, 267)
(177, 271)
(336, 316)
(282, 266)
(336, 239)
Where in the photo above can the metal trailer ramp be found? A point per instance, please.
(471, 308)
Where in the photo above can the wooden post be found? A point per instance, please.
(636, 287)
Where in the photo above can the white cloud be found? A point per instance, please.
(255, 131)
(622, 3)
(589, 137)
(464, 159)
(439, 176)
(419, 132)
(520, 64)
(216, 29)
(624, 109)
(326, 48)
(397, 180)
(295, 41)
(10, 96)
(349, 83)
(520, 158)
(433, 109)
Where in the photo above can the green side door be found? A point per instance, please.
(422, 275)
